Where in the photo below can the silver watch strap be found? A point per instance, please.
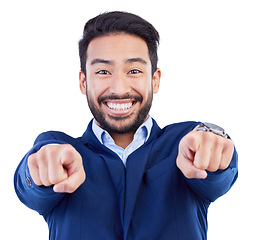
(209, 127)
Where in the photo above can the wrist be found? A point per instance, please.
(209, 127)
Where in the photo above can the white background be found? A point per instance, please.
(208, 60)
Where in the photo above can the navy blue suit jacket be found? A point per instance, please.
(150, 199)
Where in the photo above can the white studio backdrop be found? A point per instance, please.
(207, 55)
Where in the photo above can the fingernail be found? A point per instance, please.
(201, 175)
(58, 188)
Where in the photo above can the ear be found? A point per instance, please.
(156, 80)
(82, 82)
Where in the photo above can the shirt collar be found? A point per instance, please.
(145, 127)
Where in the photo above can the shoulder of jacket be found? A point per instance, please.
(53, 135)
(180, 127)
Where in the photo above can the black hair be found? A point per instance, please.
(115, 22)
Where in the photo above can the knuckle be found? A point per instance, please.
(45, 181)
(201, 164)
(230, 145)
(53, 178)
(188, 173)
(37, 181)
(32, 160)
(51, 151)
(189, 139)
(68, 150)
(47, 184)
(57, 174)
(224, 165)
(213, 168)
(41, 155)
(208, 136)
(219, 141)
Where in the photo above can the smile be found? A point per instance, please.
(119, 106)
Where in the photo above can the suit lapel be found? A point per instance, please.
(134, 173)
(117, 172)
(135, 169)
(113, 163)
(126, 181)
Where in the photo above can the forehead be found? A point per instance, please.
(117, 47)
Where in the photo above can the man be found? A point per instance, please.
(125, 178)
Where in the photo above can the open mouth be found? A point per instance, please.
(120, 107)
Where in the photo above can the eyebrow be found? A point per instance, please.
(132, 60)
(100, 60)
(109, 62)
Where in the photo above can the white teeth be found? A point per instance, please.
(118, 106)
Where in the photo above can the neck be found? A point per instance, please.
(123, 140)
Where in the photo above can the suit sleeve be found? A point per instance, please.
(217, 183)
(39, 198)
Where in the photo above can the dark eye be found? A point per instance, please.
(103, 72)
(135, 71)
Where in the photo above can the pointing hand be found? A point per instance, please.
(201, 151)
(57, 165)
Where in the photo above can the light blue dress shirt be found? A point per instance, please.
(140, 137)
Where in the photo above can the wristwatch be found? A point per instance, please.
(209, 127)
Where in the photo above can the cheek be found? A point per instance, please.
(92, 86)
(144, 88)
(95, 89)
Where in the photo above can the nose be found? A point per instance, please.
(119, 85)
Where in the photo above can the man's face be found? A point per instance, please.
(119, 84)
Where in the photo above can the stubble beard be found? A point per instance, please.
(121, 124)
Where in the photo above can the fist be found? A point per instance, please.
(57, 165)
(201, 151)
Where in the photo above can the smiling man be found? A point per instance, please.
(125, 178)
(119, 84)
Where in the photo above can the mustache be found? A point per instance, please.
(134, 97)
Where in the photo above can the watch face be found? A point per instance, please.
(214, 127)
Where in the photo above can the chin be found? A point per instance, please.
(120, 125)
